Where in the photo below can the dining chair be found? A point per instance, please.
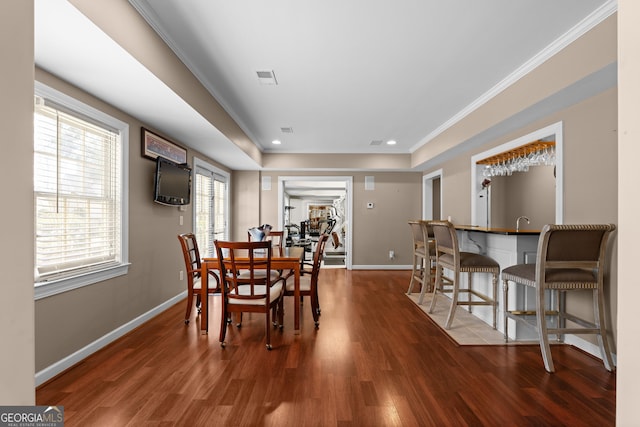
(309, 281)
(276, 238)
(193, 265)
(570, 258)
(449, 257)
(253, 291)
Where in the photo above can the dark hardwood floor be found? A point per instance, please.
(376, 360)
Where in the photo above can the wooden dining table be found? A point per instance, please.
(282, 258)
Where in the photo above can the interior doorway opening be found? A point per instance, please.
(432, 195)
(310, 205)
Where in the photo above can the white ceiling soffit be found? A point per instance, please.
(70, 46)
(404, 70)
(349, 73)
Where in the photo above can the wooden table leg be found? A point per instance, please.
(204, 299)
(296, 299)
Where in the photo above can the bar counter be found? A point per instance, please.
(492, 230)
(508, 247)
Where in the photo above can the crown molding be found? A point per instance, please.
(581, 28)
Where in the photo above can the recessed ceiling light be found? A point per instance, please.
(391, 142)
(276, 142)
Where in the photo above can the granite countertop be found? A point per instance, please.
(492, 230)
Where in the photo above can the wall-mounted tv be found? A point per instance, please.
(172, 183)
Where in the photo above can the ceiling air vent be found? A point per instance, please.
(266, 77)
(376, 142)
(286, 130)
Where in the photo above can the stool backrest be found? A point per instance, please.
(445, 235)
(568, 246)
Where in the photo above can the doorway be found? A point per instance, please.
(432, 195)
(309, 205)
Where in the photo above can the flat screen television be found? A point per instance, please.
(172, 183)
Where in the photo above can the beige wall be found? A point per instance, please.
(16, 178)
(531, 193)
(67, 322)
(590, 184)
(397, 198)
(150, 275)
(245, 203)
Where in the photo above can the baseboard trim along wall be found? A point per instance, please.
(381, 267)
(57, 368)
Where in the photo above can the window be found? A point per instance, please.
(80, 158)
(211, 207)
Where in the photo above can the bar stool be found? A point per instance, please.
(449, 256)
(423, 251)
(569, 258)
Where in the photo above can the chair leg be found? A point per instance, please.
(413, 274)
(454, 298)
(470, 286)
(239, 320)
(505, 308)
(223, 323)
(281, 312)
(426, 280)
(314, 308)
(494, 307)
(187, 315)
(541, 319)
(436, 288)
(603, 340)
(198, 303)
(268, 314)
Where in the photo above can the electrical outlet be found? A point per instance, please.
(181, 275)
(392, 254)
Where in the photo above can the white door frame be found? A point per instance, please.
(427, 194)
(348, 181)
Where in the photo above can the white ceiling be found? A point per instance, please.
(348, 72)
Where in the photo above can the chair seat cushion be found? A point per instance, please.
(471, 260)
(245, 290)
(259, 273)
(305, 284)
(521, 273)
(567, 278)
(213, 283)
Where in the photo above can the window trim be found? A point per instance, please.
(200, 163)
(54, 287)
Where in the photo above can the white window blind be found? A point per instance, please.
(77, 185)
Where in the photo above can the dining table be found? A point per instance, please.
(282, 258)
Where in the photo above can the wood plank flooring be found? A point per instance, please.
(376, 360)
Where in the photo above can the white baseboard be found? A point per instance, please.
(381, 267)
(588, 347)
(51, 371)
